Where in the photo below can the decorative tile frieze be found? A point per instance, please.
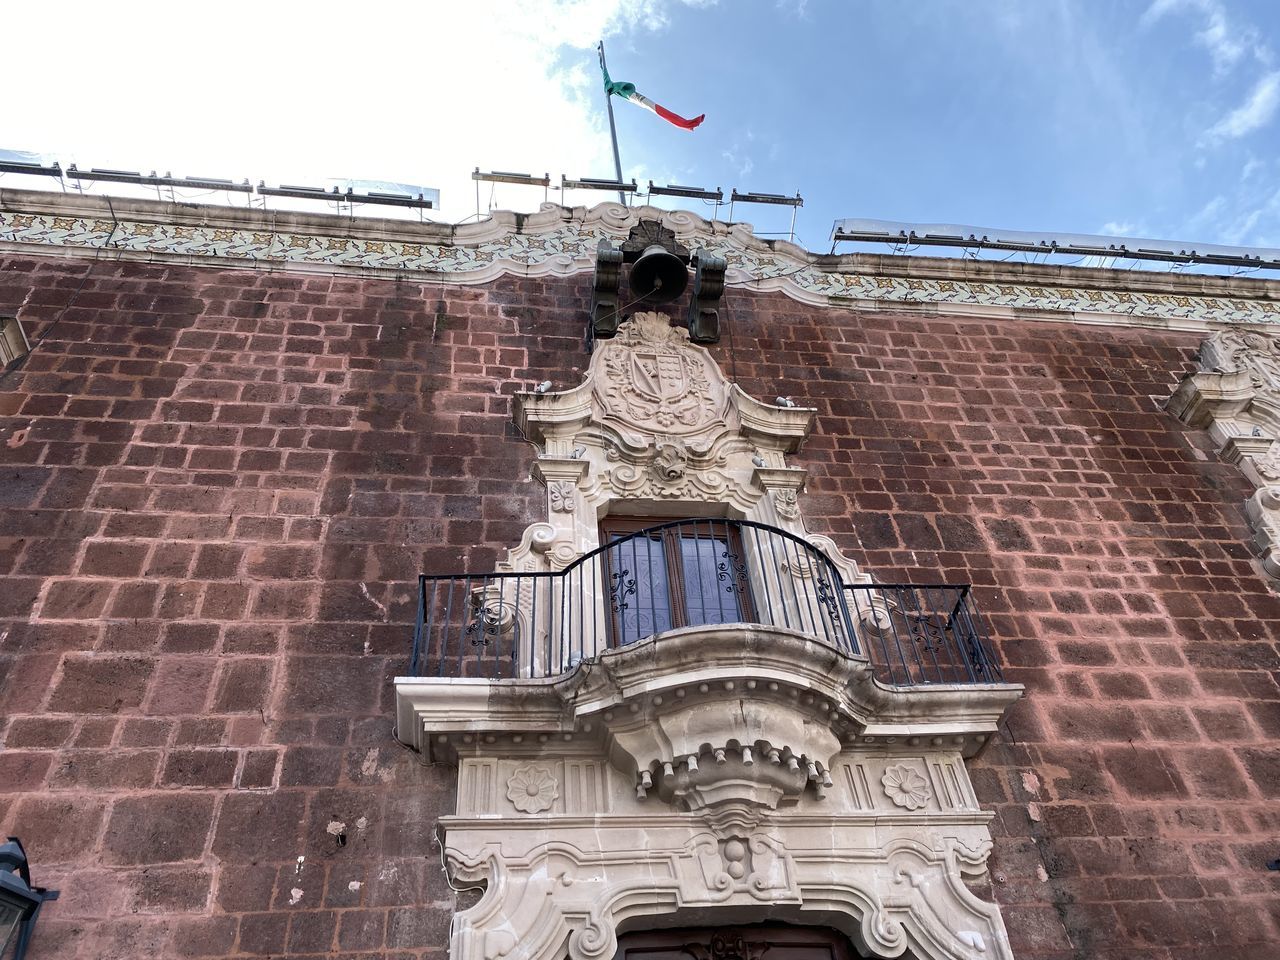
(563, 241)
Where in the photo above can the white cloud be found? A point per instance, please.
(1114, 228)
(1226, 42)
(1254, 113)
(407, 92)
(1252, 167)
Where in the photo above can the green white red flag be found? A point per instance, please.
(627, 91)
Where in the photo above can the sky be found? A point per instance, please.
(1155, 118)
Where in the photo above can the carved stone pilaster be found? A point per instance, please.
(1236, 397)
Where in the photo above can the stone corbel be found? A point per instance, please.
(553, 419)
(782, 487)
(769, 426)
(1203, 398)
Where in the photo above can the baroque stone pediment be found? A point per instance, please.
(649, 384)
(1236, 397)
(656, 424)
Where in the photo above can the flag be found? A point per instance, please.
(627, 91)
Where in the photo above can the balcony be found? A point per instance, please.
(650, 582)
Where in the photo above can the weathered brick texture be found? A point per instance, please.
(217, 488)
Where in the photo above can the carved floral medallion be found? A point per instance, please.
(532, 789)
(906, 787)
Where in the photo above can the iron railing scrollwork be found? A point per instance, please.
(691, 573)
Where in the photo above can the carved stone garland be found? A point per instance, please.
(716, 771)
(1236, 397)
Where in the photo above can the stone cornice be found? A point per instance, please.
(561, 241)
(437, 715)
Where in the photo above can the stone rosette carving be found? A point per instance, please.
(906, 787)
(532, 789)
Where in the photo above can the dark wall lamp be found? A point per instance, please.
(20, 902)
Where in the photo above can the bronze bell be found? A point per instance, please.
(658, 275)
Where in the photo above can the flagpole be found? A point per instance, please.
(613, 130)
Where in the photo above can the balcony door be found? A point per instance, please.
(765, 942)
(663, 575)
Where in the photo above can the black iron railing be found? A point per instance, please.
(922, 633)
(691, 573)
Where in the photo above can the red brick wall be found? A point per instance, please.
(217, 486)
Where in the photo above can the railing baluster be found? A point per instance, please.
(417, 627)
(433, 641)
(930, 626)
(777, 577)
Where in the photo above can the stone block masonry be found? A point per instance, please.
(217, 487)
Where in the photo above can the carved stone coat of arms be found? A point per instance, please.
(654, 381)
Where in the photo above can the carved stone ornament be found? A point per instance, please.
(653, 382)
(1236, 397)
(560, 496)
(787, 504)
(711, 773)
(670, 463)
(1263, 511)
(655, 422)
(1268, 465)
(906, 787)
(532, 789)
(714, 771)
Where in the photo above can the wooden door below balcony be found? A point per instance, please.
(764, 942)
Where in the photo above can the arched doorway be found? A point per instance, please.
(757, 942)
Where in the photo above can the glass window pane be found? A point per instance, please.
(714, 579)
(639, 590)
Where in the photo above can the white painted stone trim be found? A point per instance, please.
(790, 803)
(1236, 397)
